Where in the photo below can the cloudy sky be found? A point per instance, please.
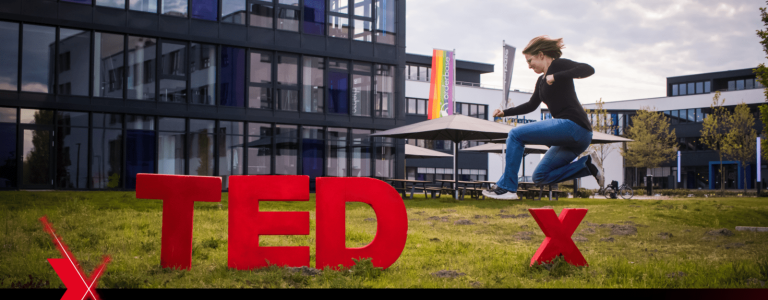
(634, 45)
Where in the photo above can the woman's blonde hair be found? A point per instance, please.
(544, 44)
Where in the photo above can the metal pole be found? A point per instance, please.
(456, 170)
(758, 180)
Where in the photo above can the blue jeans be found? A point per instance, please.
(566, 140)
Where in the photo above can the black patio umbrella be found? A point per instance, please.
(455, 128)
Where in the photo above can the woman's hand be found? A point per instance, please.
(498, 113)
(550, 79)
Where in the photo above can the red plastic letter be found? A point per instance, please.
(391, 227)
(178, 194)
(246, 223)
(558, 232)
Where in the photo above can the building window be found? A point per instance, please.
(312, 151)
(418, 73)
(176, 8)
(314, 17)
(201, 144)
(384, 164)
(385, 91)
(732, 85)
(107, 151)
(361, 89)
(337, 164)
(37, 58)
(74, 58)
(108, 68)
(259, 149)
(682, 89)
(740, 84)
(149, 6)
(9, 34)
(699, 87)
(233, 11)
(360, 165)
(140, 147)
(313, 84)
(209, 9)
(173, 72)
(141, 70)
(120, 4)
(230, 150)
(232, 77)
(287, 82)
(286, 157)
(675, 90)
(338, 27)
(707, 86)
(203, 73)
(170, 145)
(261, 14)
(71, 150)
(473, 110)
(363, 31)
(417, 106)
(338, 87)
(386, 21)
(287, 18)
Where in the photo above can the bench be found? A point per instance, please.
(432, 189)
(550, 190)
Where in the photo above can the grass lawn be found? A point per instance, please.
(627, 243)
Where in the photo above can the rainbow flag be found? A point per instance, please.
(441, 84)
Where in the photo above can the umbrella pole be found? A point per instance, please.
(456, 170)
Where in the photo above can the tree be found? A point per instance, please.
(714, 132)
(653, 142)
(601, 123)
(762, 70)
(741, 138)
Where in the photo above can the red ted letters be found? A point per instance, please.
(247, 223)
(558, 232)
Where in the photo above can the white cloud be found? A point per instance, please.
(633, 45)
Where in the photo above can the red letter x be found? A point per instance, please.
(558, 232)
(78, 285)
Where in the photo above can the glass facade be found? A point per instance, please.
(9, 76)
(130, 102)
(233, 11)
(37, 58)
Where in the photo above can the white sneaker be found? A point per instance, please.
(500, 194)
(595, 169)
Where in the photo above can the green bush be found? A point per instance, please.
(682, 193)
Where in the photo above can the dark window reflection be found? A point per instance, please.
(173, 82)
(385, 21)
(36, 157)
(205, 9)
(313, 88)
(111, 3)
(9, 48)
(200, 147)
(230, 147)
(259, 149)
(260, 97)
(233, 11)
(71, 157)
(142, 64)
(8, 154)
(203, 74)
(338, 92)
(106, 156)
(74, 55)
(314, 17)
(232, 76)
(261, 15)
(337, 152)
(288, 100)
(37, 58)
(108, 69)
(312, 151)
(361, 153)
(286, 158)
(287, 19)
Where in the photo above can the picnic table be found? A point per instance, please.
(475, 188)
(413, 186)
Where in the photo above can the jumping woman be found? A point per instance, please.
(568, 134)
